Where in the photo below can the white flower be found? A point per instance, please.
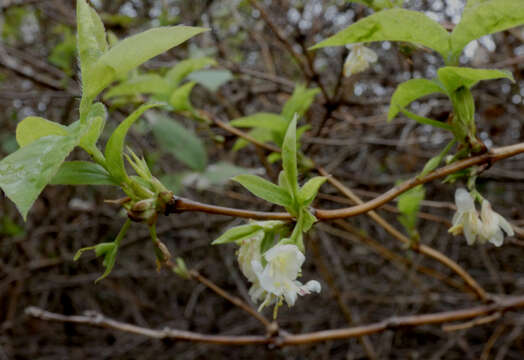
(466, 219)
(248, 252)
(278, 277)
(358, 59)
(493, 224)
(486, 228)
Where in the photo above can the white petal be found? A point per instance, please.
(313, 286)
(369, 55)
(505, 225)
(469, 230)
(457, 217)
(497, 238)
(463, 200)
(291, 297)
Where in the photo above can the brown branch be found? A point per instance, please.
(284, 339)
(180, 204)
(488, 158)
(99, 320)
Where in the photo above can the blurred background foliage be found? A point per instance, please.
(238, 69)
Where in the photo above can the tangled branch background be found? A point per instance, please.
(385, 289)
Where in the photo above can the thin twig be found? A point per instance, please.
(181, 204)
(284, 339)
(271, 327)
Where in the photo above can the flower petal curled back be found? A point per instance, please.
(493, 224)
(309, 287)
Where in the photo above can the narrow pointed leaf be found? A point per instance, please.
(237, 233)
(82, 173)
(96, 120)
(435, 161)
(90, 37)
(453, 77)
(309, 191)
(409, 91)
(393, 25)
(299, 102)
(264, 189)
(426, 121)
(262, 120)
(289, 156)
(115, 144)
(135, 50)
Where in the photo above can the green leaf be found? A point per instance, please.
(214, 175)
(299, 102)
(82, 173)
(237, 233)
(378, 5)
(260, 134)
(393, 25)
(409, 91)
(309, 191)
(182, 143)
(262, 120)
(99, 249)
(91, 38)
(289, 156)
(25, 173)
(179, 98)
(482, 18)
(115, 144)
(185, 67)
(140, 84)
(264, 189)
(135, 50)
(453, 77)
(110, 253)
(96, 120)
(426, 121)
(211, 79)
(308, 220)
(409, 205)
(33, 128)
(435, 161)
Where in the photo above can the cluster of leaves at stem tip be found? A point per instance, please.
(44, 144)
(287, 193)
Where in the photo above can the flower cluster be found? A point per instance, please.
(487, 227)
(276, 280)
(358, 59)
